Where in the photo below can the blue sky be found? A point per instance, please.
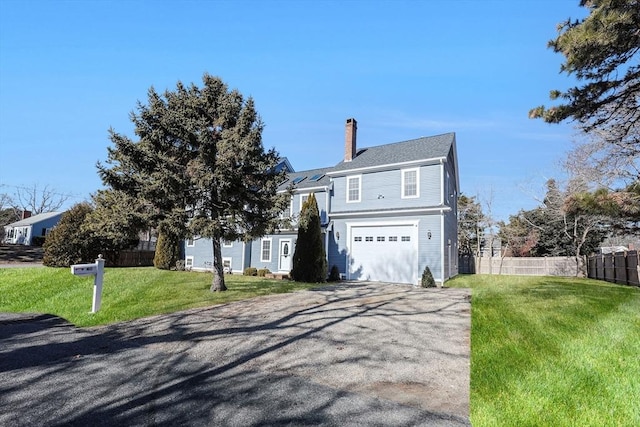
(70, 70)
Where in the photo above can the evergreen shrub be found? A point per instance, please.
(427, 279)
(309, 259)
(167, 251)
(334, 275)
(250, 271)
(68, 243)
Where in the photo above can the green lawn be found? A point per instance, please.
(549, 351)
(128, 293)
(545, 351)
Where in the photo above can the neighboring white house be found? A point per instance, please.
(22, 232)
(386, 212)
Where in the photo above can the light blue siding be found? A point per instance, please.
(202, 254)
(429, 249)
(383, 190)
(337, 247)
(432, 215)
(321, 199)
(274, 263)
(451, 244)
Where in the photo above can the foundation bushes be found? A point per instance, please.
(427, 279)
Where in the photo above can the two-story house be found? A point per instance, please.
(387, 212)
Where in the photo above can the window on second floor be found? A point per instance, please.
(353, 188)
(288, 212)
(303, 199)
(410, 183)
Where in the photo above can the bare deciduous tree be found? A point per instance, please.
(596, 159)
(39, 200)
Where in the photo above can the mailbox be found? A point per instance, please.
(97, 271)
(84, 269)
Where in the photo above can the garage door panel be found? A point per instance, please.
(384, 254)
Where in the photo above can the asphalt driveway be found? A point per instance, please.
(354, 354)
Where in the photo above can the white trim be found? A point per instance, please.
(359, 178)
(193, 242)
(402, 187)
(307, 195)
(440, 210)
(244, 250)
(393, 223)
(308, 189)
(230, 263)
(280, 242)
(442, 185)
(227, 245)
(442, 233)
(266, 239)
(390, 166)
(186, 261)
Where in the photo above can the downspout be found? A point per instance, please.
(442, 183)
(442, 232)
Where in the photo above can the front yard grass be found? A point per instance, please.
(128, 293)
(545, 351)
(549, 351)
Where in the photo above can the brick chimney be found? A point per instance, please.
(26, 214)
(351, 129)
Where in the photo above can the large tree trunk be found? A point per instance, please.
(217, 285)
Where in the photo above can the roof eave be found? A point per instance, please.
(389, 166)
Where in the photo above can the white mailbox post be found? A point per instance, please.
(97, 270)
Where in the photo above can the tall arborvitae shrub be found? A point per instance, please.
(167, 251)
(68, 243)
(309, 258)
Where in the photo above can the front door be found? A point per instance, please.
(285, 255)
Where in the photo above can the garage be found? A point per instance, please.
(383, 253)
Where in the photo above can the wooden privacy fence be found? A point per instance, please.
(131, 258)
(520, 266)
(620, 267)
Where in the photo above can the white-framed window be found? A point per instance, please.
(265, 250)
(226, 265)
(354, 184)
(410, 183)
(191, 242)
(303, 198)
(227, 244)
(288, 213)
(188, 262)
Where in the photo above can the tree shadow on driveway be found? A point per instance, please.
(352, 354)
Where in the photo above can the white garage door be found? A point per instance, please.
(384, 253)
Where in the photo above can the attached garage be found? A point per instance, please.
(383, 252)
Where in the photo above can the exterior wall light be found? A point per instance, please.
(429, 234)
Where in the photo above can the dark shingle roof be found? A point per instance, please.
(431, 147)
(307, 175)
(424, 148)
